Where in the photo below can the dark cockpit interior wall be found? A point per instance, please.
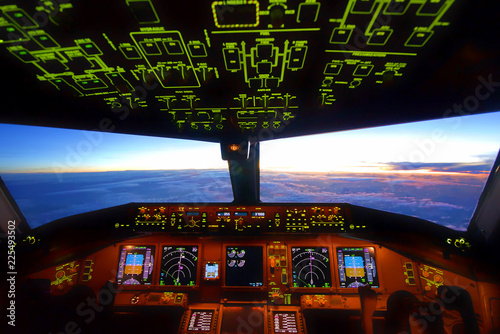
(239, 72)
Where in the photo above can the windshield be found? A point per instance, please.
(54, 173)
(434, 170)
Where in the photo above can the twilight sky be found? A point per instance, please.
(469, 139)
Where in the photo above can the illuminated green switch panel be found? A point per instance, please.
(143, 11)
(119, 82)
(91, 84)
(264, 68)
(52, 65)
(90, 49)
(332, 69)
(150, 48)
(130, 52)
(419, 38)
(379, 37)
(308, 12)
(272, 82)
(264, 51)
(431, 7)
(397, 7)
(363, 6)
(197, 50)
(173, 47)
(63, 86)
(11, 34)
(297, 57)
(24, 55)
(340, 36)
(45, 41)
(255, 83)
(363, 70)
(19, 17)
(232, 59)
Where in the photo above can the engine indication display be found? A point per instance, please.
(179, 265)
(357, 267)
(244, 266)
(285, 322)
(135, 265)
(201, 321)
(311, 267)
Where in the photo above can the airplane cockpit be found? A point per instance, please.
(250, 247)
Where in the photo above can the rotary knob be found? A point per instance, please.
(277, 14)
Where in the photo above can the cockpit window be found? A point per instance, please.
(433, 170)
(53, 173)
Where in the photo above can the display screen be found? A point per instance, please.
(135, 265)
(311, 267)
(179, 265)
(244, 266)
(357, 267)
(240, 213)
(285, 322)
(211, 270)
(258, 214)
(201, 321)
(223, 214)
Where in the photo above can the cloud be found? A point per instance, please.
(444, 199)
(466, 168)
(447, 199)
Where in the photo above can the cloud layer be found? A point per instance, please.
(447, 196)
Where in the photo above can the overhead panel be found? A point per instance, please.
(200, 70)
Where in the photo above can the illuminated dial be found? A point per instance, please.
(179, 265)
(311, 267)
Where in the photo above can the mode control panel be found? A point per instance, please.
(224, 218)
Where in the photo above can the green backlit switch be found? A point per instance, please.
(340, 36)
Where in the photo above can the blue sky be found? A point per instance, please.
(40, 149)
(451, 140)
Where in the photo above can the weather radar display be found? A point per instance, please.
(311, 267)
(179, 265)
(357, 267)
(135, 265)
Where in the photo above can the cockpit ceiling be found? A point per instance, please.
(212, 70)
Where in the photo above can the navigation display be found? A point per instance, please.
(357, 267)
(285, 322)
(311, 267)
(135, 265)
(244, 266)
(179, 265)
(201, 321)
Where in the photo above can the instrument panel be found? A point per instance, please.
(310, 267)
(217, 264)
